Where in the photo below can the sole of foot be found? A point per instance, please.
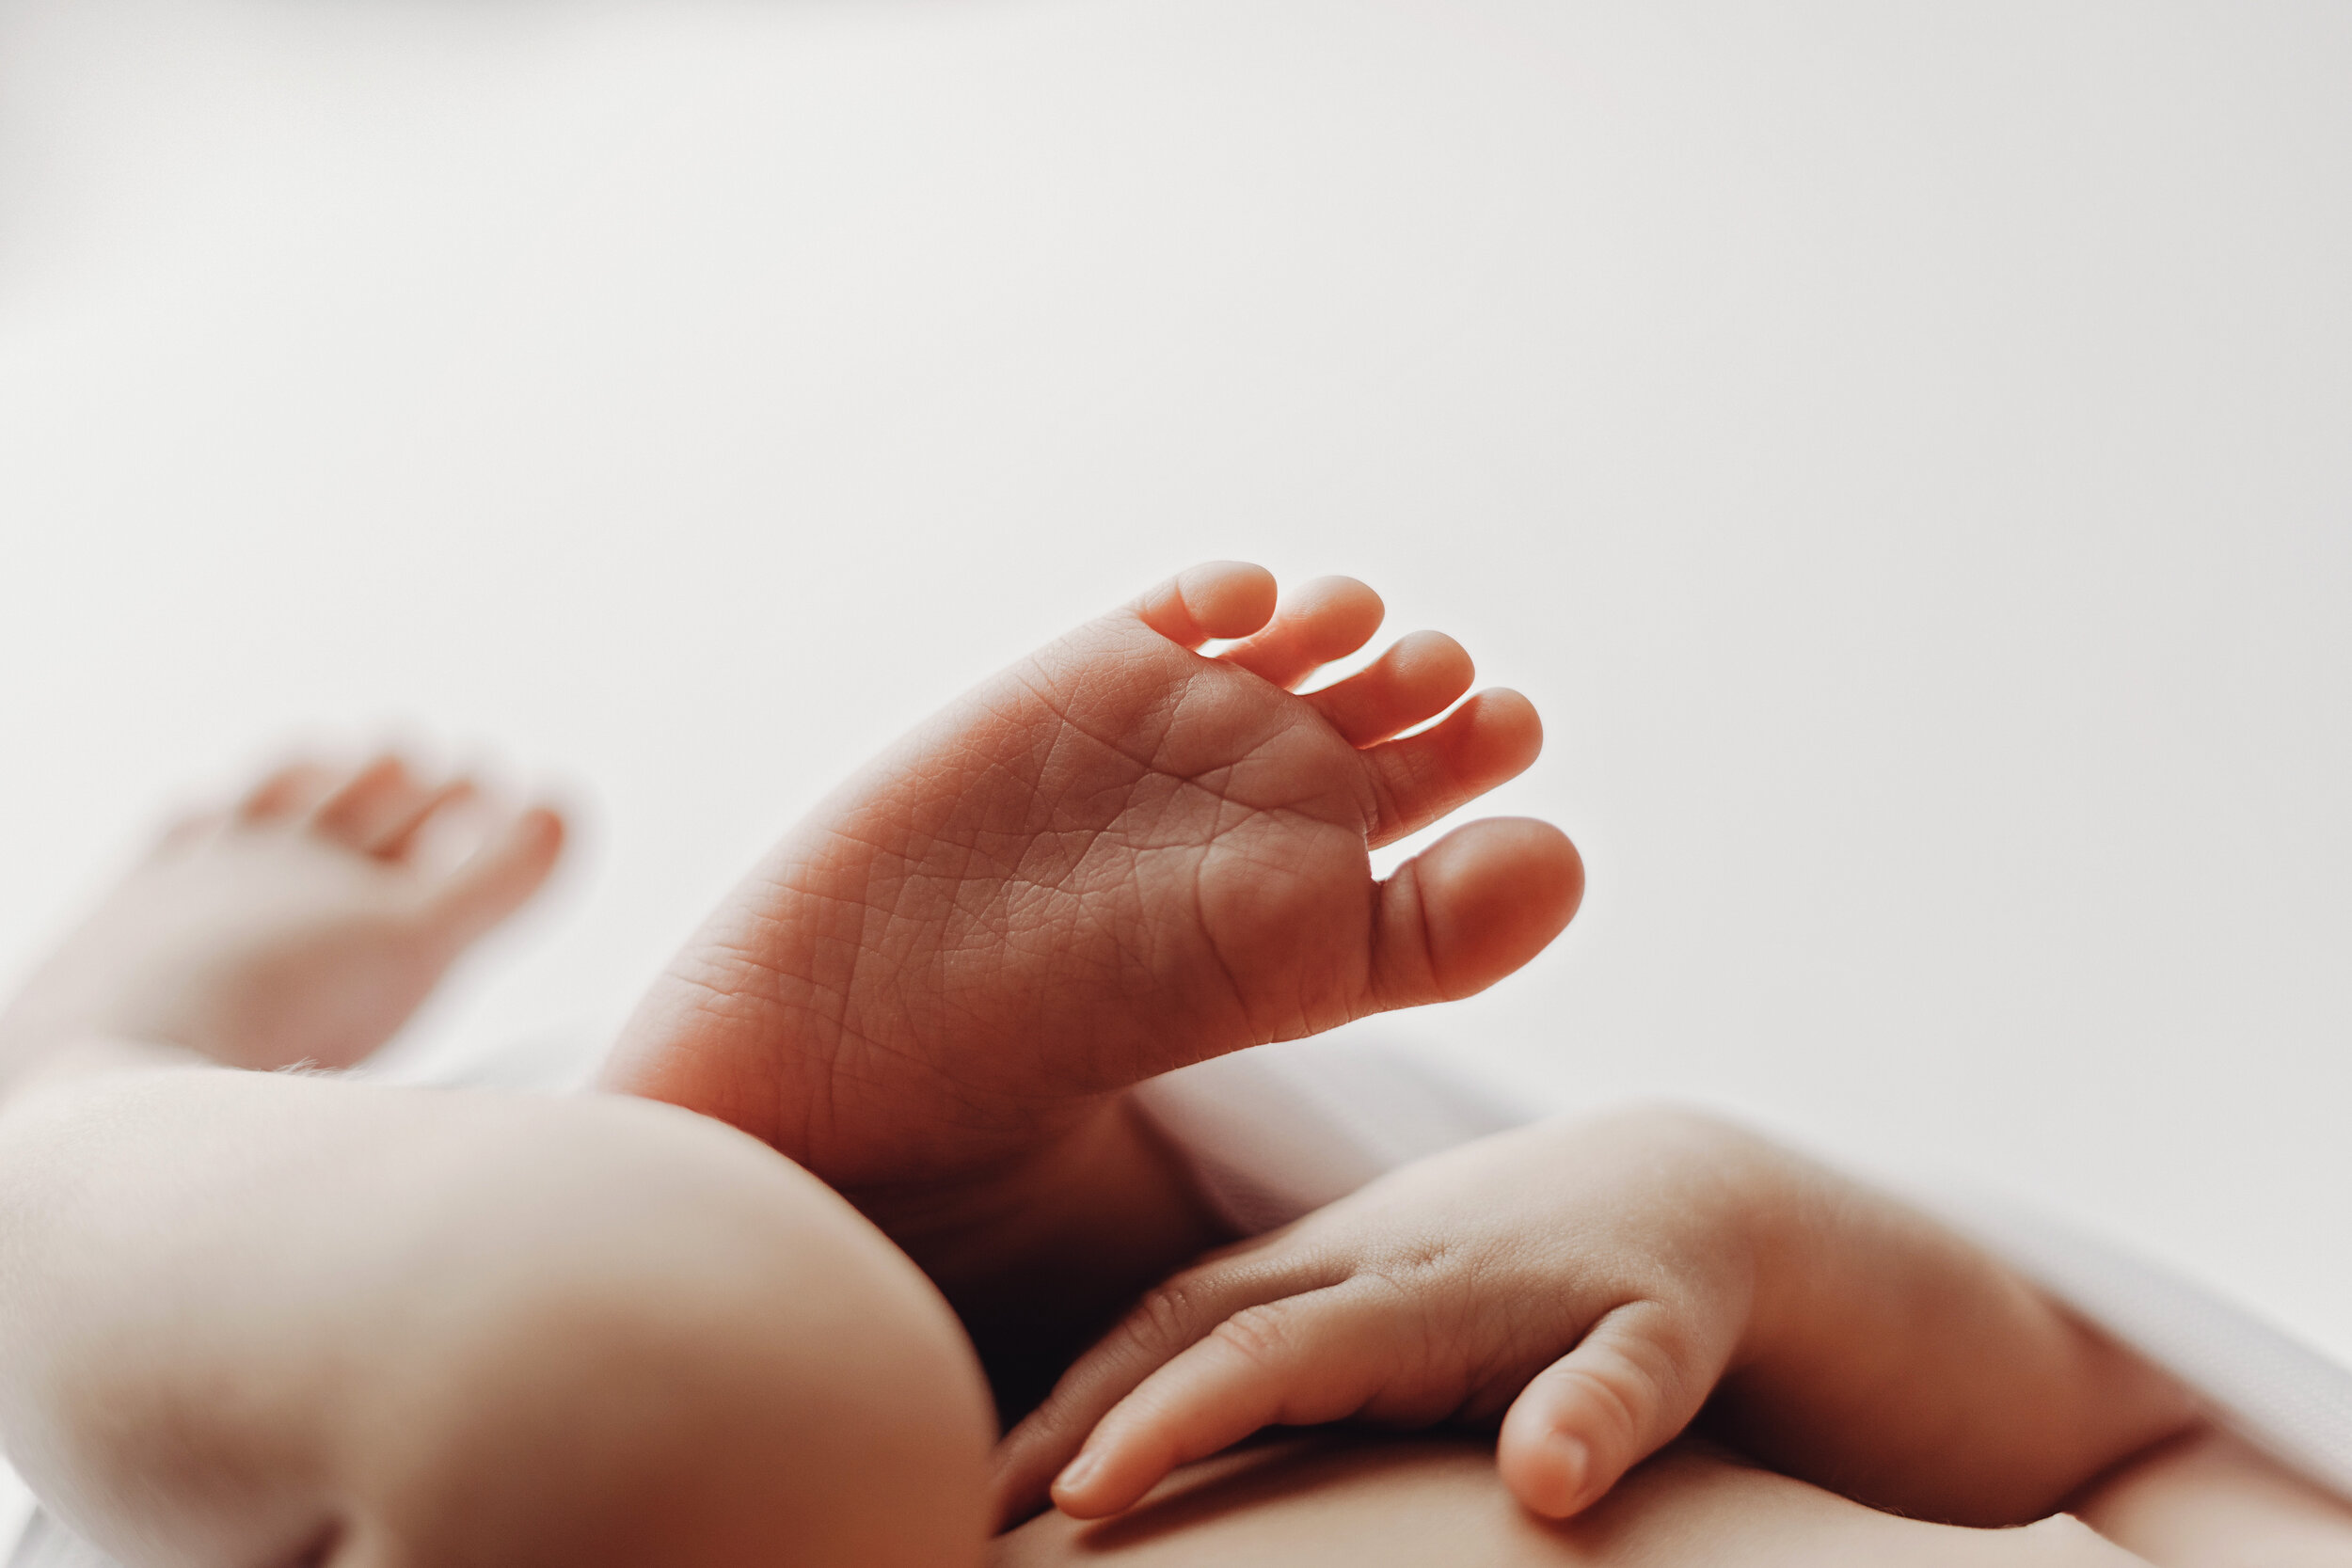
(1118, 857)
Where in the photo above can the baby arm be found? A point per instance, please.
(1595, 1286)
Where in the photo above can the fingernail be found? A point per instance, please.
(1076, 1474)
(1576, 1464)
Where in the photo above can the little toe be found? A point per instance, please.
(288, 792)
(371, 805)
(1472, 909)
(1213, 600)
(500, 877)
(1329, 618)
(1417, 678)
(1489, 739)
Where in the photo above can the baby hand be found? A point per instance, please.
(1596, 1280)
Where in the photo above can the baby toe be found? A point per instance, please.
(1470, 908)
(374, 806)
(288, 792)
(1488, 741)
(1326, 619)
(1419, 676)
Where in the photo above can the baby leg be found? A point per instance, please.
(275, 1319)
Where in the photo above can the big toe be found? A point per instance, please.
(1473, 908)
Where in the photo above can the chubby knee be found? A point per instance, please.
(652, 1340)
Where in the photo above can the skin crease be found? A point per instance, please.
(1118, 857)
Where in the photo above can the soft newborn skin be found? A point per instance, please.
(1116, 858)
(260, 1317)
(1594, 1285)
(304, 924)
(294, 1320)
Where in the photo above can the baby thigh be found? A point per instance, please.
(658, 1342)
(262, 1318)
(1350, 1502)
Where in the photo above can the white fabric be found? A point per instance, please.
(17, 1508)
(42, 1542)
(2277, 1393)
(1275, 1132)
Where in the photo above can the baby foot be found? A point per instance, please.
(1114, 859)
(303, 924)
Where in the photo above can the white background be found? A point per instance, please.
(1906, 452)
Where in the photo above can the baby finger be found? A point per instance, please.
(1170, 1318)
(1628, 1389)
(1299, 1361)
